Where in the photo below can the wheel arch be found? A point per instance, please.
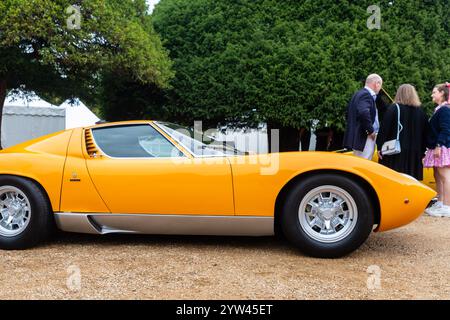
(37, 183)
(281, 197)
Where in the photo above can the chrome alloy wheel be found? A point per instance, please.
(328, 214)
(15, 211)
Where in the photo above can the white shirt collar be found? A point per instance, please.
(371, 91)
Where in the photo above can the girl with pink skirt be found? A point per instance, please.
(437, 155)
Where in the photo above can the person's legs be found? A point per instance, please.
(439, 185)
(444, 176)
(444, 183)
(436, 209)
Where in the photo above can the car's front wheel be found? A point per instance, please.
(327, 215)
(25, 215)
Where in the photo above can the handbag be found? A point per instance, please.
(392, 147)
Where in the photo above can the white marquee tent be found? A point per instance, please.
(32, 117)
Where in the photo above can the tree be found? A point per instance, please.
(62, 49)
(289, 62)
(128, 99)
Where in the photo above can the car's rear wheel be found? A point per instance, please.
(327, 215)
(25, 216)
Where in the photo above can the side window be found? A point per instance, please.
(134, 141)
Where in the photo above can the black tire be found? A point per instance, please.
(41, 223)
(296, 234)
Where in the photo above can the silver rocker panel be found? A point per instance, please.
(101, 223)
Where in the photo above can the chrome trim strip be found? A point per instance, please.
(104, 223)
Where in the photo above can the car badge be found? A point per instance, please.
(75, 177)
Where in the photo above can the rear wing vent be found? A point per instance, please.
(91, 148)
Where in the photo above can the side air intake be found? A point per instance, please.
(91, 148)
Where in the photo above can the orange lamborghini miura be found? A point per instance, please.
(156, 178)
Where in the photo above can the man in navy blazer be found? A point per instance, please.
(362, 119)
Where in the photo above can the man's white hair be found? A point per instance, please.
(373, 78)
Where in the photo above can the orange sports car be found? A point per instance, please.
(157, 178)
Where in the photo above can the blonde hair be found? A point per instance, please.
(407, 95)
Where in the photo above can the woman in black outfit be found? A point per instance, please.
(412, 137)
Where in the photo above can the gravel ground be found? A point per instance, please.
(413, 263)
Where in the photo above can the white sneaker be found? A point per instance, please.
(438, 204)
(443, 211)
(446, 213)
(432, 210)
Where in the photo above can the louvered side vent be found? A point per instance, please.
(91, 148)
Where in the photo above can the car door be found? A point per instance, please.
(135, 169)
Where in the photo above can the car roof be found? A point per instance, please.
(119, 123)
